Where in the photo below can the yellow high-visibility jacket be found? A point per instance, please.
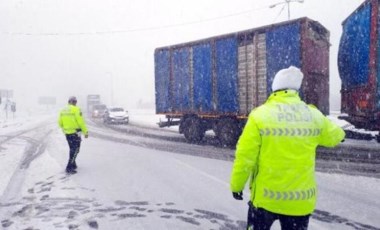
(70, 120)
(276, 151)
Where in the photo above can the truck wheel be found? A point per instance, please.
(228, 132)
(378, 137)
(193, 129)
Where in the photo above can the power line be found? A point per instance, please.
(279, 13)
(131, 30)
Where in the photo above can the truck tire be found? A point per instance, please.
(193, 130)
(228, 132)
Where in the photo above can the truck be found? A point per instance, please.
(214, 83)
(358, 66)
(95, 108)
(92, 99)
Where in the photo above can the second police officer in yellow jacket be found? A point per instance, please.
(276, 154)
(72, 124)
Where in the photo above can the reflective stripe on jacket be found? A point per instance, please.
(276, 151)
(71, 120)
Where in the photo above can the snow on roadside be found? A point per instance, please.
(145, 117)
(149, 118)
(346, 125)
(23, 121)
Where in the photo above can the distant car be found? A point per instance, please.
(98, 110)
(116, 115)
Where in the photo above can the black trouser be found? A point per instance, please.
(74, 144)
(261, 219)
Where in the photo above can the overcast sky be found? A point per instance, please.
(78, 47)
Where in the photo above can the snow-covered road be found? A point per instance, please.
(124, 184)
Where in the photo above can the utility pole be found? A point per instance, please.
(287, 2)
(110, 79)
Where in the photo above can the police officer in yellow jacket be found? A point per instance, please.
(276, 153)
(72, 124)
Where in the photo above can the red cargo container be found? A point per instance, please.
(358, 63)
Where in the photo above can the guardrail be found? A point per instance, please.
(348, 152)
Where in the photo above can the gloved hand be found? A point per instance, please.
(237, 195)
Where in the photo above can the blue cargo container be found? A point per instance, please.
(358, 62)
(214, 83)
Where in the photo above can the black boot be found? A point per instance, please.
(71, 171)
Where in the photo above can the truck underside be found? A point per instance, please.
(226, 128)
(363, 122)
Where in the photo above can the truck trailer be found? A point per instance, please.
(214, 83)
(358, 65)
(92, 100)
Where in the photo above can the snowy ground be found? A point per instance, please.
(123, 186)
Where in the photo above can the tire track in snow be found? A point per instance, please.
(34, 148)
